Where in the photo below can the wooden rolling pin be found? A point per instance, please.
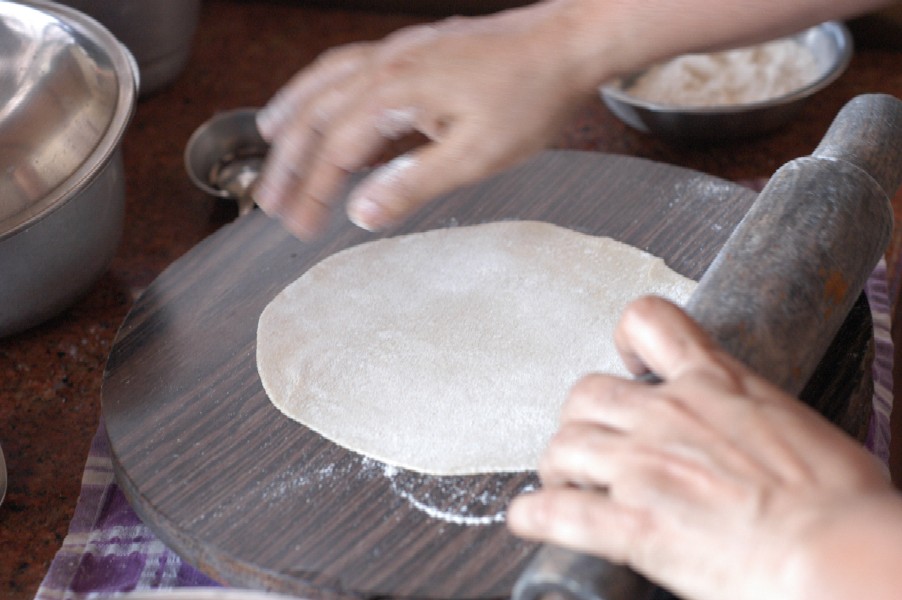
(777, 292)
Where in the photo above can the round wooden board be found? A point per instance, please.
(256, 500)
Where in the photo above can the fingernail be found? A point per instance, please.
(264, 195)
(394, 123)
(365, 213)
(366, 208)
(274, 183)
(265, 122)
(269, 116)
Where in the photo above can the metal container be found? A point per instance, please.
(67, 91)
(831, 44)
(159, 33)
(224, 156)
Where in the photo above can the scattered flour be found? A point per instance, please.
(455, 503)
(740, 76)
(451, 517)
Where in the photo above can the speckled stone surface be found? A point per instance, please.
(50, 377)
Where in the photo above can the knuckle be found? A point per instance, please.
(407, 38)
(559, 451)
(642, 531)
(566, 436)
(338, 54)
(585, 388)
(719, 370)
(392, 69)
(594, 393)
(643, 308)
(670, 408)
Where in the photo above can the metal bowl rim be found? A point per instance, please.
(123, 64)
(841, 62)
(199, 133)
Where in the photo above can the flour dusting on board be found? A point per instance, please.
(288, 484)
(450, 499)
(479, 500)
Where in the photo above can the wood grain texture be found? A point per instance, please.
(257, 500)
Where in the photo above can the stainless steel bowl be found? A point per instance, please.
(159, 33)
(225, 155)
(831, 44)
(67, 91)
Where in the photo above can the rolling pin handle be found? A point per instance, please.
(559, 574)
(865, 133)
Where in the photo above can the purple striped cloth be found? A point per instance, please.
(108, 549)
(877, 291)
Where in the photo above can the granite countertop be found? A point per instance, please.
(50, 377)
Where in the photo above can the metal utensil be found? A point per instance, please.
(224, 156)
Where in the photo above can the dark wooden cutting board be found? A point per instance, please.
(257, 500)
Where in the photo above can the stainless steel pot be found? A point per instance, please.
(67, 91)
(159, 33)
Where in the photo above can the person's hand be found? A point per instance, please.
(713, 483)
(485, 92)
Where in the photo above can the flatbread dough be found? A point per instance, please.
(450, 352)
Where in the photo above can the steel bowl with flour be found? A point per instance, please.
(67, 92)
(830, 45)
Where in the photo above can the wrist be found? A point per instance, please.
(601, 39)
(854, 550)
(585, 39)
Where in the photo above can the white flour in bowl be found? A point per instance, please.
(730, 77)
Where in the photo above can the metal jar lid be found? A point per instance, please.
(67, 91)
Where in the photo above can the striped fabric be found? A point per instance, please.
(108, 549)
(878, 295)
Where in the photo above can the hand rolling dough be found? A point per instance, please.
(450, 352)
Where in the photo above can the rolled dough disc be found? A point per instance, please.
(450, 352)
